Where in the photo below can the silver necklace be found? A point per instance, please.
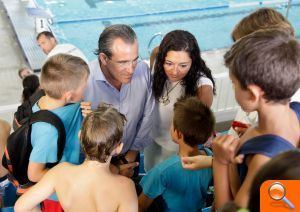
(165, 100)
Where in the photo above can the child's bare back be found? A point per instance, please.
(92, 187)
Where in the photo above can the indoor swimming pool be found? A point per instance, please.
(81, 21)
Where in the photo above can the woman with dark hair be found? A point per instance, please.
(179, 71)
(30, 84)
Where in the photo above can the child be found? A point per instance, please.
(263, 18)
(63, 78)
(264, 69)
(182, 190)
(285, 166)
(24, 72)
(31, 84)
(4, 133)
(89, 186)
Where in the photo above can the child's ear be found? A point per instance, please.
(53, 41)
(79, 133)
(118, 149)
(179, 134)
(256, 92)
(67, 96)
(103, 58)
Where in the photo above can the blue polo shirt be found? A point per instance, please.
(181, 189)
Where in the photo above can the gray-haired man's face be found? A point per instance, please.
(123, 61)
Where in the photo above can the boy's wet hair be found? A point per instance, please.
(101, 132)
(194, 120)
(269, 59)
(263, 18)
(62, 73)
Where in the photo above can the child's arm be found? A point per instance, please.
(144, 202)
(36, 171)
(196, 162)
(224, 149)
(205, 95)
(204, 161)
(221, 184)
(44, 149)
(255, 163)
(39, 192)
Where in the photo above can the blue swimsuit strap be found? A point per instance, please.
(268, 145)
(296, 107)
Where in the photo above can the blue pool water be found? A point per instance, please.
(211, 21)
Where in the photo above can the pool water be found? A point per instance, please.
(211, 21)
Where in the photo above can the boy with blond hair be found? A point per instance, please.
(182, 190)
(79, 188)
(63, 78)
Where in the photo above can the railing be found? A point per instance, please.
(288, 8)
(151, 40)
(224, 104)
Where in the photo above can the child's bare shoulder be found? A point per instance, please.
(127, 187)
(63, 167)
(124, 182)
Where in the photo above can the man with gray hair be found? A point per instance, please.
(119, 78)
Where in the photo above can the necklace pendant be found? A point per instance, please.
(165, 100)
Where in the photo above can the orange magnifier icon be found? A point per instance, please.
(277, 192)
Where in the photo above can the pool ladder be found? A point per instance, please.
(158, 34)
(289, 4)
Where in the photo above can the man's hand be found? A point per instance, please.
(125, 164)
(86, 108)
(225, 148)
(127, 170)
(131, 155)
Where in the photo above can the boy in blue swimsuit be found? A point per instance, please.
(265, 71)
(63, 78)
(181, 189)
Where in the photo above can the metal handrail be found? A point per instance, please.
(152, 38)
(288, 8)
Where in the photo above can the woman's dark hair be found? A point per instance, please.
(180, 40)
(285, 166)
(30, 85)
